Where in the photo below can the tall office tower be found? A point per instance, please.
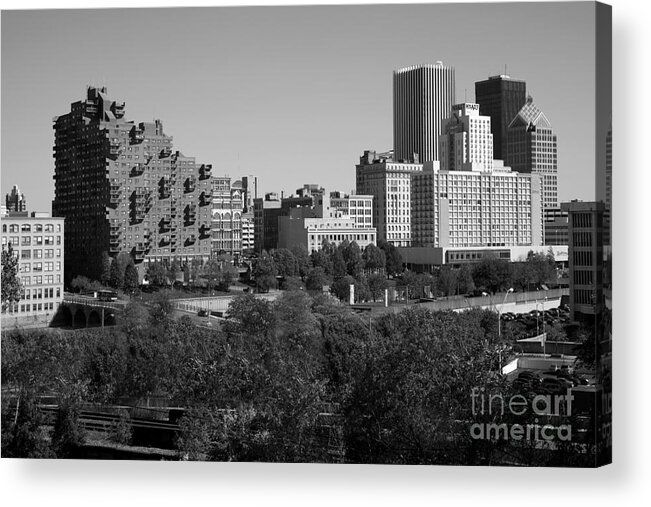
(389, 183)
(15, 200)
(459, 209)
(422, 98)
(585, 252)
(121, 188)
(500, 97)
(227, 209)
(531, 148)
(250, 192)
(466, 143)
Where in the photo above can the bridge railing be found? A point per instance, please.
(91, 302)
(217, 303)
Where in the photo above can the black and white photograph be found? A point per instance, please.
(374, 234)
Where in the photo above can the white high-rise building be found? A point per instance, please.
(422, 98)
(461, 209)
(466, 143)
(389, 183)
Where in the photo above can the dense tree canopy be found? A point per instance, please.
(11, 287)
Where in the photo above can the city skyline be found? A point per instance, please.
(233, 88)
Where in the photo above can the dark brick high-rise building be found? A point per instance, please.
(121, 188)
(500, 97)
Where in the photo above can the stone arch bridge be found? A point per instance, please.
(81, 312)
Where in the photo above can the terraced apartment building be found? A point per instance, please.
(122, 188)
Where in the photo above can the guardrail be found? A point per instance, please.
(214, 304)
(91, 302)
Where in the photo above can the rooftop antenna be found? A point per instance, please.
(505, 73)
(465, 94)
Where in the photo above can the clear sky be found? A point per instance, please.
(292, 95)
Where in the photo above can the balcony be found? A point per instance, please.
(165, 152)
(165, 224)
(205, 198)
(136, 136)
(204, 231)
(190, 184)
(205, 171)
(115, 148)
(137, 170)
(190, 214)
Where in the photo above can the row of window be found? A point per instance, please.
(31, 228)
(31, 240)
(26, 267)
(34, 307)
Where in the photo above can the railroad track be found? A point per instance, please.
(105, 422)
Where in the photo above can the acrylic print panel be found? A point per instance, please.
(334, 234)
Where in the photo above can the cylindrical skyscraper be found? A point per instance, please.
(422, 98)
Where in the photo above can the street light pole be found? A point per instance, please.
(499, 313)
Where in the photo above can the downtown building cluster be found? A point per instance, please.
(443, 195)
(122, 186)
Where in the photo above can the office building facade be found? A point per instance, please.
(227, 210)
(422, 98)
(531, 148)
(466, 143)
(37, 240)
(461, 209)
(389, 184)
(15, 201)
(500, 98)
(333, 217)
(122, 188)
(585, 252)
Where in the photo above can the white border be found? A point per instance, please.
(54, 483)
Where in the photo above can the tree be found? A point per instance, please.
(212, 272)
(156, 274)
(414, 386)
(376, 284)
(374, 259)
(173, 271)
(316, 279)
(466, 283)
(493, 274)
(394, 260)
(338, 264)
(130, 278)
(250, 316)
(341, 287)
(362, 290)
(411, 281)
(22, 436)
(105, 275)
(285, 262)
(160, 309)
(118, 267)
(67, 434)
(264, 272)
(302, 257)
(81, 283)
(448, 280)
(11, 287)
(353, 258)
(323, 258)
